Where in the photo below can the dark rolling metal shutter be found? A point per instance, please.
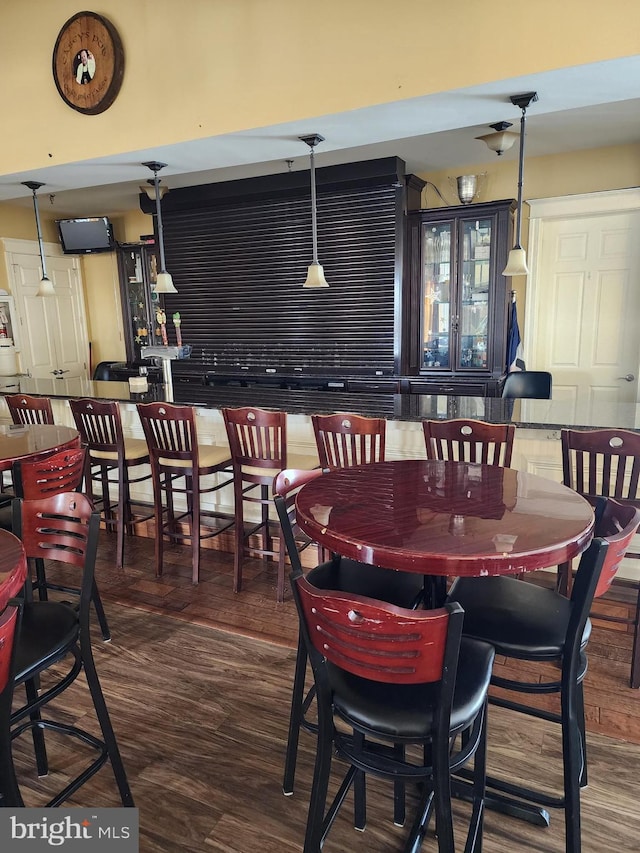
(239, 267)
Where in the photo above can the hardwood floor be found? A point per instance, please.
(198, 681)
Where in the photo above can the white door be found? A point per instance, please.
(54, 339)
(587, 308)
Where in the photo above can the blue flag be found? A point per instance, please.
(513, 339)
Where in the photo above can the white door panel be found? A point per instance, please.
(53, 329)
(587, 307)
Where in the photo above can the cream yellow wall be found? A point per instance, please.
(592, 170)
(102, 290)
(18, 223)
(206, 67)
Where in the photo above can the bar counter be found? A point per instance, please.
(536, 447)
(526, 414)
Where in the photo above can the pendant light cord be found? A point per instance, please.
(314, 223)
(156, 184)
(39, 230)
(520, 179)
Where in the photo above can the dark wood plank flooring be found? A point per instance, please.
(198, 682)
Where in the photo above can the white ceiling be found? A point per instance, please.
(589, 106)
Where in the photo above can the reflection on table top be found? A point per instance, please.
(18, 442)
(445, 518)
(13, 567)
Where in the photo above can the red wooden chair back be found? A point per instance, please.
(344, 440)
(29, 410)
(39, 478)
(375, 640)
(618, 525)
(62, 527)
(464, 440)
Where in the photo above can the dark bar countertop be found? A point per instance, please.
(532, 414)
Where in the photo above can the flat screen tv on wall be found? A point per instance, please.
(86, 236)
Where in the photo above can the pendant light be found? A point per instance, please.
(164, 282)
(517, 260)
(315, 272)
(501, 139)
(45, 288)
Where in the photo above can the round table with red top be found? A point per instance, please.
(19, 441)
(445, 518)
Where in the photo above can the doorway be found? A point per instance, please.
(53, 330)
(583, 299)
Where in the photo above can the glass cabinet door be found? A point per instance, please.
(437, 295)
(474, 281)
(139, 273)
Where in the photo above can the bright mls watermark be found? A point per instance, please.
(70, 830)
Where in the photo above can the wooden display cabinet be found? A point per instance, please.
(138, 268)
(458, 295)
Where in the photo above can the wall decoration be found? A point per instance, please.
(88, 63)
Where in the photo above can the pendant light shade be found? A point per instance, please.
(501, 140)
(517, 260)
(45, 288)
(164, 282)
(315, 272)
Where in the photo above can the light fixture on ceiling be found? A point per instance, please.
(315, 272)
(468, 186)
(164, 282)
(517, 260)
(150, 190)
(502, 140)
(45, 288)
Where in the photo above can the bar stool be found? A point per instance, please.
(344, 440)
(528, 623)
(258, 443)
(403, 589)
(13, 572)
(25, 410)
(40, 478)
(55, 639)
(100, 427)
(175, 454)
(29, 410)
(605, 462)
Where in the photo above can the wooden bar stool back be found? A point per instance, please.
(605, 463)
(258, 443)
(463, 440)
(178, 464)
(344, 440)
(29, 410)
(110, 459)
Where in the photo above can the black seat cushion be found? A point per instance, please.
(47, 631)
(405, 711)
(345, 575)
(520, 619)
(6, 512)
